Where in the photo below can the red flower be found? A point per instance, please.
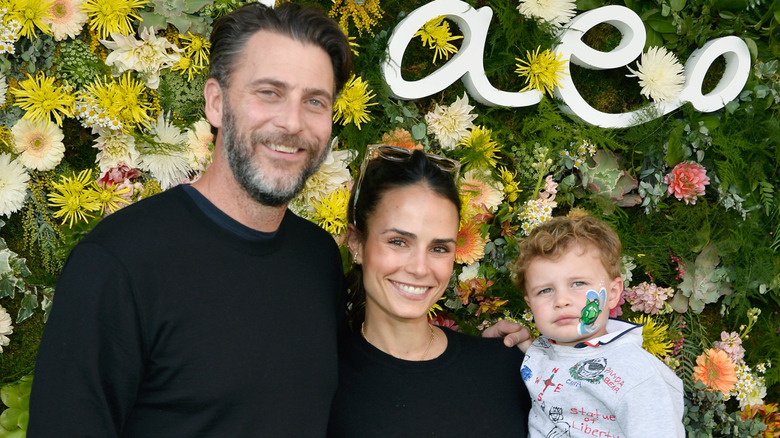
(686, 181)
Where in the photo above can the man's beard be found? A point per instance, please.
(251, 177)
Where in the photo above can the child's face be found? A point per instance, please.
(557, 293)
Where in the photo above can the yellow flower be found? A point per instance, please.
(121, 100)
(543, 71)
(479, 148)
(42, 99)
(106, 16)
(364, 13)
(511, 189)
(30, 14)
(109, 197)
(195, 57)
(436, 35)
(330, 212)
(74, 202)
(352, 104)
(655, 337)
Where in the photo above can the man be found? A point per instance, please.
(212, 310)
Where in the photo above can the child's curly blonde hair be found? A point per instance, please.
(553, 238)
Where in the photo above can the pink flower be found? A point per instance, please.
(118, 174)
(647, 297)
(617, 310)
(443, 321)
(731, 344)
(687, 181)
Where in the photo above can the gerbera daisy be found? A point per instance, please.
(13, 185)
(352, 105)
(400, 138)
(40, 144)
(330, 211)
(483, 189)
(108, 16)
(660, 74)
(479, 148)
(556, 12)
(655, 337)
(30, 14)
(75, 201)
(715, 369)
(470, 244)
(42, 99)
(67, 19)
(543, 71)
(451, 123)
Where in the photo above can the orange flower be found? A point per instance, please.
(716, 370)
(470, 245)
(400, 138)
(768, 414)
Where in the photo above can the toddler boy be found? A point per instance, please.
(587, 374)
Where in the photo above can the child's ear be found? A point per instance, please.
(614, 293)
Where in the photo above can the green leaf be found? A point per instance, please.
(587, 5)
(29, 303)
(660, 24)
(677, 5)
(419, 131)
(674, 151)
(653, 38)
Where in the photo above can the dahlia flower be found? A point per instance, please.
(686, 181)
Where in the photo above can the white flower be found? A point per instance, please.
(116, 147)
(5, 328)
(3, 88)
(660, 74)
(332, 175)
(469, 272)
(450, 124)
(13, 185)
(167, 158)
(199, 137)
(482, 189)
(67, 19)
(147, 56)
(40, 144)
(556, 12)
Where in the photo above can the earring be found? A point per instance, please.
(354, 258)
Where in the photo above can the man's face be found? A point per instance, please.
(276, 116)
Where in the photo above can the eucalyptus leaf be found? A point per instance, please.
(677, 5)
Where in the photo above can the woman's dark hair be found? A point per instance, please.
(381, 176)
(305, 24)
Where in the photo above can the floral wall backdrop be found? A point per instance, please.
(101, 105)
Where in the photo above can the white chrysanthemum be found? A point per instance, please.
(556, 12)
(660, 74)
(451, 123)
(482, 189)
(199, 137)
(147, 56)
(67, 19)
(13, 185)
(168, 157)
(3, 89)
(5, 328)
(40, 144)
(332, 175)
(116, 147)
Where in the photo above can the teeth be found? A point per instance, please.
(283, 148)
(411, 289)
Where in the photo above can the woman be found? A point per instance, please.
(399, 376)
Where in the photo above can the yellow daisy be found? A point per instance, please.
(479, 148)
(42, 99)
(74, 202)
(31, 14)
(352, 105)
(655, 337)
(106, 16)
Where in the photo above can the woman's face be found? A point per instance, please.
(408, 253)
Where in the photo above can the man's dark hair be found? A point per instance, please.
(305, 24)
